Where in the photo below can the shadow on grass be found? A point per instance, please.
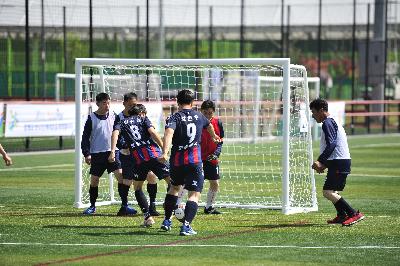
(143, 232)
(63, 226)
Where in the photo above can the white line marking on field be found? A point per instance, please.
(394, 144)
(44, 167)
(189, 245)
(367, 175)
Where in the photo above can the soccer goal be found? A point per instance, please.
(267, 152)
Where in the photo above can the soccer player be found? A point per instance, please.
(7, 159)
(96, 147)
(130, 99)
(335, 156)
(210, 152)
(184, 129)
(144, 146)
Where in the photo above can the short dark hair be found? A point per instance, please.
(134, 110)
(208, 104)
(319, 104)
(142, 108)
(102, 97)
(185, 97)
(130, 95)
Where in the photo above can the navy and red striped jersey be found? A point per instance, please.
(134, 130)
(188, 127)
(208, 146)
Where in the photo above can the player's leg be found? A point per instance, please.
(338, 171)
(194, 181)
(142, 200)
(177, 180)
(181, 195)
(211, 172)
(124, 169)
(97, 167)
(93, 194)
(152, 191)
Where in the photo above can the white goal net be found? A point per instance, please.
(263, 105)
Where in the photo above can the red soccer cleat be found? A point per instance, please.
(338, 220)
(355, 219)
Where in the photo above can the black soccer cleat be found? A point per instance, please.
(211, 210)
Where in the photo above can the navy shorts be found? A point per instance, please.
(191, 175)
(338, 170)
(211, 171)
(128, 166)
(100, 163)
(159, 169)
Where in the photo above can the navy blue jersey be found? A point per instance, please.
(134, 131)
(188, 126)
(121, 142)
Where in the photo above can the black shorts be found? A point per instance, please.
(159, 169)
(211, 171)
(128, 166)
(191, 175)
(100, 163)
(338, 170)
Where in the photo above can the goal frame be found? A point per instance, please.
(282, 62)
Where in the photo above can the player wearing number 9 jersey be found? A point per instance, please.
(184, 129)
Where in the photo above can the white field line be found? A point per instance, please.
(199, 246)
(43, 167)
(374, 145)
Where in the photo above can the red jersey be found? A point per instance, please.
(208, 146)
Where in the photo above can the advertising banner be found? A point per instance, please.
(34, 120)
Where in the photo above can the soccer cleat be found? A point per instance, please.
(338, 220)
(126, 211)
(187, 230)
(152, 210)
(211, 210)
(166, 225)
(355, 219)
(89, 211)
(148, 221)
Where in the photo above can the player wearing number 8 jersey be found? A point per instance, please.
(144, 145)
(184, 129)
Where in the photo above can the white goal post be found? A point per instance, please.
(267, 152)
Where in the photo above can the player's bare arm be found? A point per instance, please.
(114, 139)
(88, 159)
(214, 136)
(319, 167)
(154, 135)
(168, 134)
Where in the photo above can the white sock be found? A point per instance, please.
(182, 193)
(211, 195)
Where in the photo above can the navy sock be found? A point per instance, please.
(346, 207)
(93, 194)
(169, 205)
(152, 190)
(124, 194)
(190, 211)
(142, 201)
(339, 210)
